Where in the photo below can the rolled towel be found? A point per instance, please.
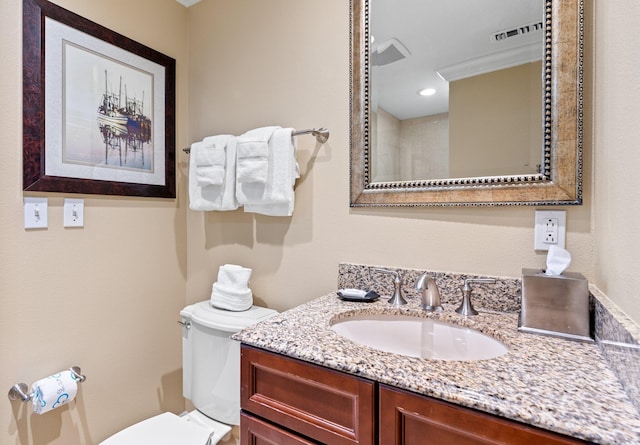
(225, 298)
(231, 291)
(233, 276)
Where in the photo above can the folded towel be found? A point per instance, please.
(252, 164)
(231, 291)
(278, 196)
(234, 277)
(223, 298)
(252, 155)
(209, 156)
(221, 196)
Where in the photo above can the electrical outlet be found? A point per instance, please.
(550, 228)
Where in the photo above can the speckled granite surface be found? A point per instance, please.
(556, 384)
(503, 295)
(618, 338)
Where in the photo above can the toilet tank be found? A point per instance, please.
(211, 359)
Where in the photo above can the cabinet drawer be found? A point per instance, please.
(316, 402)
(254, 431)
(411, 419)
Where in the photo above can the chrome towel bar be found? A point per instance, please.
(321, 135)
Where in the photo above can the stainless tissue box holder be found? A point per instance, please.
(556, 305)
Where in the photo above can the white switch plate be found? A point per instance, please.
(550, 229)
(35, 213)
(73, 212)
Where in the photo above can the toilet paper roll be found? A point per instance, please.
(54, 391)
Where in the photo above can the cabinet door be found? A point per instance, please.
(410, 419)
(254, 431)
(325, 405)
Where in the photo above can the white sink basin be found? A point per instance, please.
(419, 337)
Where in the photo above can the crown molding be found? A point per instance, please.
(491, 62)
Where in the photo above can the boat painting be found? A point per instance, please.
(123, 126)
(130, 112)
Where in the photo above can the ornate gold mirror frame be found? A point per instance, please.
(560, 180)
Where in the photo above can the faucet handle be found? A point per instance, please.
(477, 280)
(397, 299)
(466, 308)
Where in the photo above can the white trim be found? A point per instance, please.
(491, 62)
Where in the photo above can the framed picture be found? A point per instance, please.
(98, 108)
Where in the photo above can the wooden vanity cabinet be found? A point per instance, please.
(407, 418)
(317, 404)
(255, 431)
(291, 402)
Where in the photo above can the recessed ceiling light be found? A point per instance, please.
(427, 92)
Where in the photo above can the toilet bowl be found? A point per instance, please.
(170, 429)
(211, 380)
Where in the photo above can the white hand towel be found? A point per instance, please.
(253, 164)
(231, 291)
(278, 197)
(207, 197)
(252, 153)
(223, 298)
(209, 156)
(234, 276)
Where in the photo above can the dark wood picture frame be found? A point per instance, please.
(35, 176)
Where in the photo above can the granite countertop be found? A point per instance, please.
(549, 382)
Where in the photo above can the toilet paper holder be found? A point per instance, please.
(20, 391)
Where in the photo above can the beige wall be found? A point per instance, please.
(286, 62)
(617, 157)
(386, 159)
(254, 63)
(105, 297)
(424, 145)
(495, 116)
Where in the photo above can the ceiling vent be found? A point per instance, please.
(517, 31)
(389, 51)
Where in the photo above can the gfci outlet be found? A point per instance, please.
(550, 229)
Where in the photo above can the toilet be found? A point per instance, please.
(211, 380)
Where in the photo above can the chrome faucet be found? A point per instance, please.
(397, 299)
(430, 293)
(466, 308)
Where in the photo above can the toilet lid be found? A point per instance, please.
(223, 320)
(165, 429)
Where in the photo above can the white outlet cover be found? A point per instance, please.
(540, 228)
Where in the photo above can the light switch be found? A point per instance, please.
(35, 213)
(73, 212)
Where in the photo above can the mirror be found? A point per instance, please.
(408, 151)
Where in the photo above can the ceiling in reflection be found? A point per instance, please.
(413, 40)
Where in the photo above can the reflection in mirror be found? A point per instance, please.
(466, 102)
(459, 97)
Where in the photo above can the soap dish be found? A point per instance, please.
(364, 297)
